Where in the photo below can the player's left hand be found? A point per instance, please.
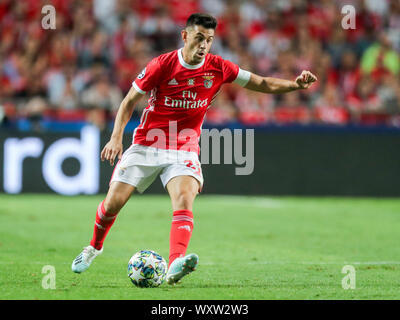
(305, 79)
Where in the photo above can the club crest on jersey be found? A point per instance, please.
(141, 75)
(208, 80)
(190, 82)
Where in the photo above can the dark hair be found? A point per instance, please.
(202, 19)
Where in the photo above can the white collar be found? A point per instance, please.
(186, 65)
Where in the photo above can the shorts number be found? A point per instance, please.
(195, 166)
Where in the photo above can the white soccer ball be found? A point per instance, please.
(147, 268)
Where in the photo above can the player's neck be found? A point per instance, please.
(185, 56)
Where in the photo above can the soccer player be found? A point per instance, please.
(183, 83)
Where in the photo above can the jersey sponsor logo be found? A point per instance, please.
(183, 103)
(141, 75)
(173, 82)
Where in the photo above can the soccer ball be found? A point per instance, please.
(147, 268)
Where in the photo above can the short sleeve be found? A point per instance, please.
(229, 70)
(149, 77)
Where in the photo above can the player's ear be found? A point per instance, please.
(184, 35)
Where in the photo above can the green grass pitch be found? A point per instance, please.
(249, 247)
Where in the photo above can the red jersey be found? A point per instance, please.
(180, 96)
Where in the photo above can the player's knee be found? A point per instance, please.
(185, 198)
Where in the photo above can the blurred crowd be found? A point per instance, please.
(81, 70)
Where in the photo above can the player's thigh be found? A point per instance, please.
(118, 194)
(182, 191)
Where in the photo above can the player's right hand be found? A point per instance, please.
(112, 149)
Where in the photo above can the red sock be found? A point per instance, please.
(102, 226)
(181, 231)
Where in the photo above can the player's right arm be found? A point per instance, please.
(114, 147)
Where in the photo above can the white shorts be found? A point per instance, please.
(140, 165)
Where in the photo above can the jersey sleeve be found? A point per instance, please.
(149, 78)
(232, 73)
(229, 71)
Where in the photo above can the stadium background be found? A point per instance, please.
(341, 137)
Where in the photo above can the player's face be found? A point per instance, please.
(198, 41)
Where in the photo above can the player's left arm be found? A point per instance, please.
(276, 85)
